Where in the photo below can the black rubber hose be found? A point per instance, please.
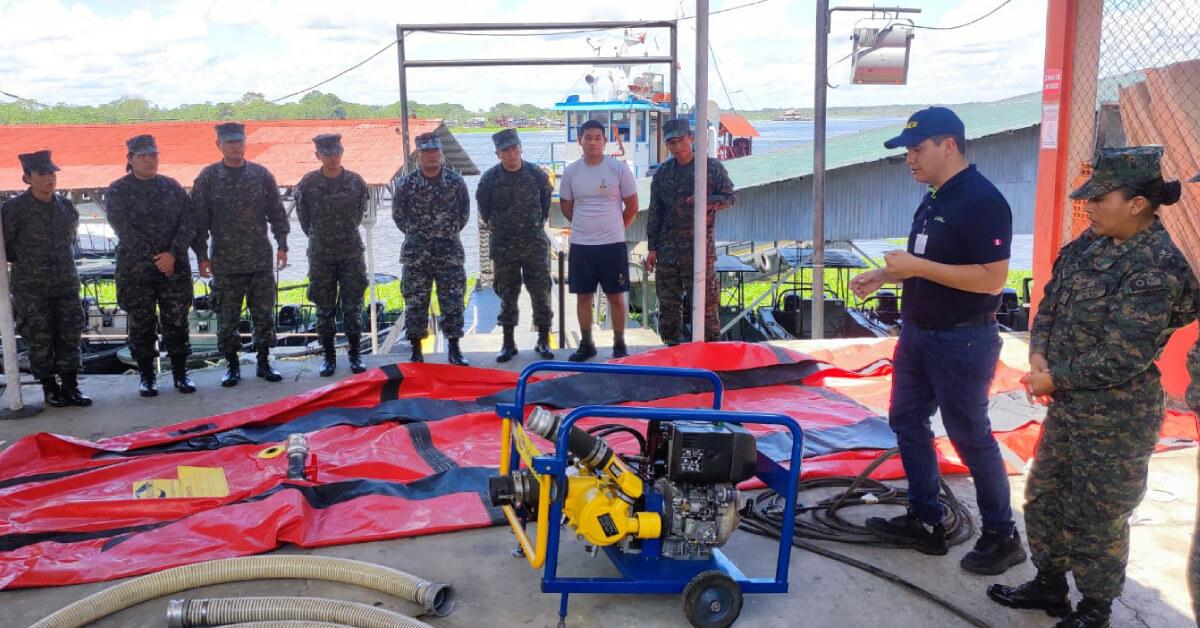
(764, 516)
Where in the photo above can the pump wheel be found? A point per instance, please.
(712, 600)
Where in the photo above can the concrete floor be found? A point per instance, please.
(498, 590)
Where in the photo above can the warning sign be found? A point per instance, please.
(192, 482)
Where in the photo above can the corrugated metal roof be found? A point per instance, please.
(92, 156)
(981, 119)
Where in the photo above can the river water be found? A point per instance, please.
(387, 239)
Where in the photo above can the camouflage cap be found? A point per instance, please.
(328, 143)
(428, 141)
(231, 132)
(142, 145)
(37, 162)
(1116, 167)
(677, 127)
(505, 139)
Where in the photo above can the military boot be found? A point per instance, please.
(329, 365)
(586, 351)
(454, 355)
(52, 393)
(264, 369)
(233, 370)
(179, 373)
(354, 353)
(542, 348)
(415, 356)
(70, 390)
(1091, 613)
(148, 387)
(508, 350)
(1047, 592)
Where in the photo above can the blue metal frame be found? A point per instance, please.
(647, 572)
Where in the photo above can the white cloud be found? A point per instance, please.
(196, 51)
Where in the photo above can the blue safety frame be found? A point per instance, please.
(647, 572)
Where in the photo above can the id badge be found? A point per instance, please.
(920, 242)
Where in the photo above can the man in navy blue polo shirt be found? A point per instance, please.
(953, 270)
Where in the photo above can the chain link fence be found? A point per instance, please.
(1144, 71)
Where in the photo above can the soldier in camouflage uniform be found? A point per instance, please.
(151, 215)
(431, 206)
(1116, 294)
(514, 200)
(235, 200)
(1193, 400)
(39, 231)
(330, 203)
(669, 235)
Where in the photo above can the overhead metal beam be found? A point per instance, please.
(536, 26)
(465, 63)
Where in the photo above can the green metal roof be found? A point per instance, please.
(981, 119)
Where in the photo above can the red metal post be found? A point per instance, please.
(1053, 154)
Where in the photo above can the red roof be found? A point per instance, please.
(738, 125)
(92, 156)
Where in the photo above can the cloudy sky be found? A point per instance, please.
(184, 51)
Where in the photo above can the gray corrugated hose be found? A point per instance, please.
(435, 597)
(216, 612)
(286, 624)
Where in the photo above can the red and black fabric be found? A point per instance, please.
(405, 450)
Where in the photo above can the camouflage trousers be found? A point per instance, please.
(416, 284)
(257, 290)
(1089, 473)
(334, 283)
(673, 284)
(51, 327)
(148, 304)
(530, 265)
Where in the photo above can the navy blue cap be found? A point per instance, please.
(142, 145)
(428, 141)
(925, 124)
(1195, 179)
(37, 162)
(231, 132)
(328, 143)
(677, 127)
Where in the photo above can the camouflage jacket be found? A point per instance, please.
(1109, 309)
(431, 212)
(236, 211)
(330, 211)
(515, 205)
(149, 217)
(38, 240)
(669, 226)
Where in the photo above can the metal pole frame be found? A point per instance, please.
(402, 31)
(820, 88)
(700, 168)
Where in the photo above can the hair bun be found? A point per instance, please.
(1171, 191)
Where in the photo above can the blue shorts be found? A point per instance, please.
(606, 265)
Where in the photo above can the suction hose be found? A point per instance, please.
(434, 597)
(287, 624)
(219, 612)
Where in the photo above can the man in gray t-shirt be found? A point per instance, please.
(599, 196)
